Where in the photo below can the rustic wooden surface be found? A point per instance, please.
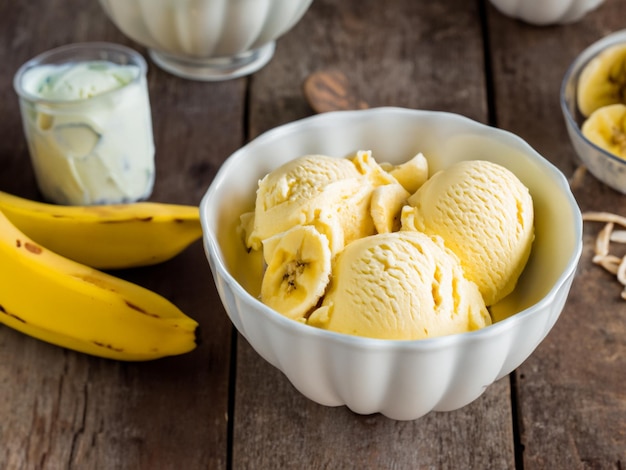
(222, 406)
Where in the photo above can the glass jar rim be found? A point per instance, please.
(75, 53)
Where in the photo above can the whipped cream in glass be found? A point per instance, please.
(87, 120)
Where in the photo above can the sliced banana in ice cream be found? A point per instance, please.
(298, 270)
(603, 80)
(606, 127)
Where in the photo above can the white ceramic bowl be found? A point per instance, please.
(603, 165)
(207, 39)
(401, 379)
(545, 12)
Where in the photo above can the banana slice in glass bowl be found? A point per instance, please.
(593, 102)
(606, 128)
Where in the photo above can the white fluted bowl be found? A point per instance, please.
(400, 379)
(207, 39)
(546, 12)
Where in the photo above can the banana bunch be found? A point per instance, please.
(601, 98)
(64, 301)
(108, 236)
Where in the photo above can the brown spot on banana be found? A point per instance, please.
(35, 249)
(131, 219)
(141, 310)
(12, 315)
(108, 346)
(96, 281)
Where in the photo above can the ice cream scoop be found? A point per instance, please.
(400, 285)
(331, 194)
(485, 215)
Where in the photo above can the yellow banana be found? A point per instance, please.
(603, 80)
(108, 236)
(606, 127)
(298, 270)
(54, 299)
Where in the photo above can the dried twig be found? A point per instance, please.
(621, 272)
(602, 241)
(604, 217)
(577, 178)
(618, 236)
(602, 256)
(610, 263)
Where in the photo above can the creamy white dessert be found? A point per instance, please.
(89, 131)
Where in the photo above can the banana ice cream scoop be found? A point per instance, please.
(484, 214)
(602, 81)
(399, 285)
(331, 194)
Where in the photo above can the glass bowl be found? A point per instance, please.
(605, 166)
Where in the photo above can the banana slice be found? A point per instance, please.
(603, 80)
(298, 270)
(606, 127)
(385, 206)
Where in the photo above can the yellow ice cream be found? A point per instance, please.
(485, 215)
(400, 285)
(331, 194)
(347, 248)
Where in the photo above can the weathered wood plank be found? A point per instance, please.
(571, 391)
(61, 409)
(430, 58)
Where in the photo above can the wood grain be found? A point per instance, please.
(571, 390)
(275, 427)
(60, 409)
(566, 406)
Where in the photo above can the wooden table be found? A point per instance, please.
(221, 406)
